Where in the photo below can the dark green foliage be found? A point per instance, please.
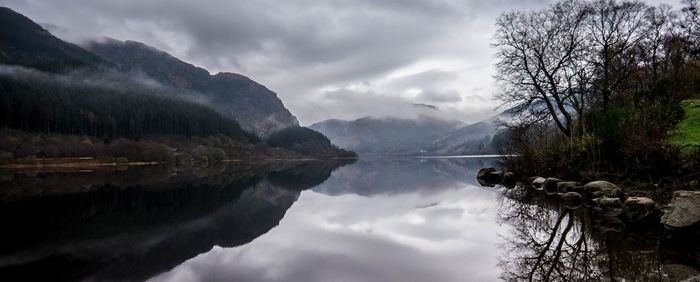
(288, 137)
(307, 142)
(52, 107)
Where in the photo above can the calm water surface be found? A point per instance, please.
(404, 219)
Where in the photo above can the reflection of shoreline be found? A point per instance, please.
(17, 184)
(398, 175)
(549, 242)
(138, 228)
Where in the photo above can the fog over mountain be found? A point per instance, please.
(327, 59)
(425, 135)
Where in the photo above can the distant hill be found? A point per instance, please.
(423, 136)
(306, 142)
(386, 135)
(255, 107)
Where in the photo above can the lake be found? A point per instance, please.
(374, 219)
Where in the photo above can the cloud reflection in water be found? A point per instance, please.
(448, 235)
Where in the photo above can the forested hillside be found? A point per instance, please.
(255, 107)
(51, 106)
(132, 102)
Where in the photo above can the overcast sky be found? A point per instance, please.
(341, 59)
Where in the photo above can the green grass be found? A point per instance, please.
(687, 135)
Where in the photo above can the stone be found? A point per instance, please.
(603, 188)
(483, 176)
(609, 224)
(571, 200)
(567, 186)
(550, 185)
(538, 183)
(680, 272)
(683, 211)
(608, 203)
(495, 177)
(582, 191)
(509, 179)
(485, 172)
(530, 179)
(638, 208)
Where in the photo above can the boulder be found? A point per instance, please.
(530, 179)
(509, 179)
(495, 177)
(607, 207)
(550, 185)
(567, 186)
(538, 183)
(485, 172)
(582, 191)
(603, 188)
(680, 272)
(683, 211)
(571, 200)
(638, 208)
(608, 203)
(483, 176)
(608, 224)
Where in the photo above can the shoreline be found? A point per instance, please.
(92, 162)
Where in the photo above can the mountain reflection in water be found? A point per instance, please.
(139, 227)
(403, 219)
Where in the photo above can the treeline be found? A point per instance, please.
(50, 107)
(598, 86)
(24, 147)
(307, 142)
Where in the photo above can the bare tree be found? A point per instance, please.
(654, 43)
(615, 28)
(691, 24)
(541, 65)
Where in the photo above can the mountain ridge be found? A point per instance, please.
(422, 136)
(254, 106)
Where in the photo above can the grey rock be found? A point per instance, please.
(550, 185)
(530, 179)
(538, 183)
(608, 203)
(483, 176)
(680, 272)
(603, 188)
(484, 172)
(572, 200)
(683, 211)
(496, 177)
(638, 208)
(509, 179)
(609, 224)
(567, 186)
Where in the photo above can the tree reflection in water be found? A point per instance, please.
(547, 242)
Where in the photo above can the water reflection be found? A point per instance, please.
(136, 227)
(375, 220)
(402, 220)
(370, 177)
(547, 241)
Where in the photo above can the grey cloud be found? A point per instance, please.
(440, 96)
(299, 49)
(354, 238)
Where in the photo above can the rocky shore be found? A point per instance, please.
(608, 204)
